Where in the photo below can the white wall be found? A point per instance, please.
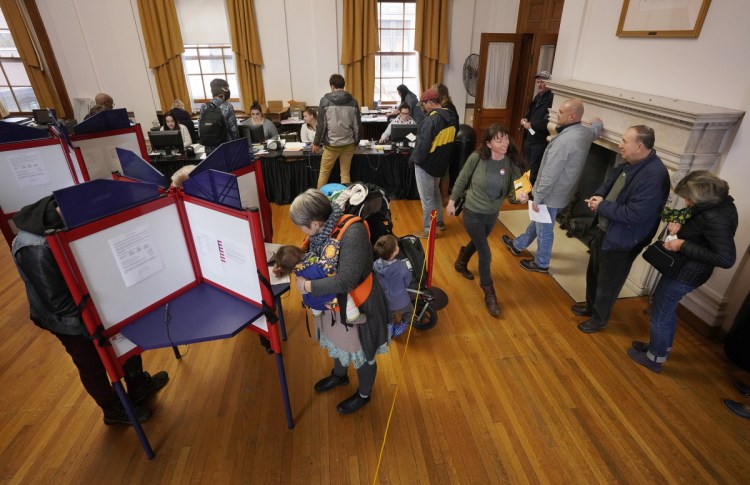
(201, 25)
(713, 69)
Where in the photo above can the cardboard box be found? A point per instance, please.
(296, 108)
(276, 111)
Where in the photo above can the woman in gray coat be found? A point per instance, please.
(357, 344)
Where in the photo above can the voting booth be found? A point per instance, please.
(33, 163)
(99, 137)
(153, 270)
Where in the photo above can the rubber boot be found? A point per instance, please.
(491, 300)
(463, 259)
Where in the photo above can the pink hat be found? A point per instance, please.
(429, 95)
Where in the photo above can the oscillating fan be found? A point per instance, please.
(471, 71)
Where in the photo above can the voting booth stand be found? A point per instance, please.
(99, 137)
(33, 163)
(153, 271)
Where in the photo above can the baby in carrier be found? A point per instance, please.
(313, 267)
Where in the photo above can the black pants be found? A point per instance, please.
(479, 227)
(533, 153)
(91, 370)
(605, 277)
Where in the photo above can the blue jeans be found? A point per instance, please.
(429, 193)
(667, 295)
(546, 234)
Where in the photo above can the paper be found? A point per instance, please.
(137, 255)
(121, 345)
(541, 216)
(28, 169)
(411, 137)
(222, 260)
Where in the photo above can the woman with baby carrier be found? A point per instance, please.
(359, 343)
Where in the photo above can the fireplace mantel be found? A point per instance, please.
(689, 136)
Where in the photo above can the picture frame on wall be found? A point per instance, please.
(662, 18)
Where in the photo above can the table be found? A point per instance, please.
(288, 174)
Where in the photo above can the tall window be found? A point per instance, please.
(203, 63)
(16, 92)
(396, 62)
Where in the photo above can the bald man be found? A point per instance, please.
(559, 174)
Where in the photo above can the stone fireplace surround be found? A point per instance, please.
(689, 136)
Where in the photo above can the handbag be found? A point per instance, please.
(668, 263)
(459, 205)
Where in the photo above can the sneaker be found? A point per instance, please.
(508, 242)
(640, 358)
(117, 415)
(147, 386)
(425, 235)
(399, 329)
(739, 409)
(530, 265)
(441, 226)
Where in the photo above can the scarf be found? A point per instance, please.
(318, 241)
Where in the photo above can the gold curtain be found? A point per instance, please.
(431, 40)
(246, 45)
(360, 43)
(163, 39)
(39, 76)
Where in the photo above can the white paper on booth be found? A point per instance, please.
(137, 255)
(223, 260)
(541, 216)
(121, 344)
(28, 169)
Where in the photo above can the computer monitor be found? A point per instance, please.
(41, 116)
(166, 141)
(253, 133)
(399, 132)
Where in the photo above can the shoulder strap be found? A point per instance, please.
(361, 292)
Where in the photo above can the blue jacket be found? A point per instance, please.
(394, 277)
(634, 216)
(316, 302)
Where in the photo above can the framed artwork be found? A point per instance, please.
(662, 18)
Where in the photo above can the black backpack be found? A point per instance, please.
(212, 127)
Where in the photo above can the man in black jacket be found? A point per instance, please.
(53, 309)
(535, 125)
(432, 155)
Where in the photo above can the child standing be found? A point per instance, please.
(394, 277)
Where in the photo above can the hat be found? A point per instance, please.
(219, 86)
(429, 95)
(543, 75)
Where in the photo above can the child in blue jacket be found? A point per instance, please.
(394, 278)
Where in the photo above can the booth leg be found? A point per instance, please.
(133, 419)
(282, 325)
(284, 391)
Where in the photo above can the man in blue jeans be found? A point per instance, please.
(559, 174)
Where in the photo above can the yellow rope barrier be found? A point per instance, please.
(403, 358)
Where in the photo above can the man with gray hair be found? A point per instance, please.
(217, 122)
(559, 174)
(628, 208)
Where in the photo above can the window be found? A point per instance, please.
(203, 63)
(16, 92)
(397, 61)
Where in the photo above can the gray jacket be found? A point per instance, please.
(338, 120)
(562, 164)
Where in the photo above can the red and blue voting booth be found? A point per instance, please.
(154, 270)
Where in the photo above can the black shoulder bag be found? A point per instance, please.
(668, 263)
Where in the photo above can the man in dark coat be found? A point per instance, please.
(535, 125)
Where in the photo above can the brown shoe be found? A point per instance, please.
(490, 299)
(463, 259)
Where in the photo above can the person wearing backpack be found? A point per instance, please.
(217, 123)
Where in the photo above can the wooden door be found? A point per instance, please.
(537, 54)
(496, 83)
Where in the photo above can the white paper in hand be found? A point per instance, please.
(541, 216)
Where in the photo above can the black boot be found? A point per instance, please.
(464, 254)
(491, 300)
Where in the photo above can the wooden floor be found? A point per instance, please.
(525, 398)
